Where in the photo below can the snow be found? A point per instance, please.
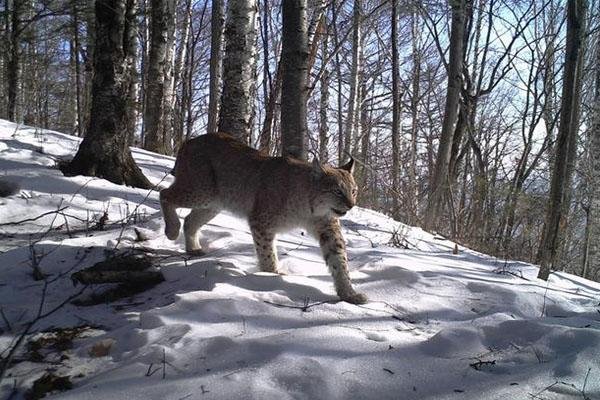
(437, 326)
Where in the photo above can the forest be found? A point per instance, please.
(476, 119)
(450, 249)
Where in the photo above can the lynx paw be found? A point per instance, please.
(172, 229)
(354, 298)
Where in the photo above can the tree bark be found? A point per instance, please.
(592, 260)
(78, 85)
(396, 110)
(440, 183)
(412, 206)
(353, 100)
(239, 64)
(157, 115)
(324, 104)
(294, 64)
(90, 40)
(270, 90)
(216, 59)
(568, 127)
(104, 152)
(13, 72)
(338, 70)
(179, 74)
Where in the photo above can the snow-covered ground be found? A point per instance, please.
(438, 325)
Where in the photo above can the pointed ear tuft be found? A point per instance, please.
(349, 166)
(317, 169)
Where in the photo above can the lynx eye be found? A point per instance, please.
(338, 192)
(354, 191)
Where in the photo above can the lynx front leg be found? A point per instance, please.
(192, 223)
(264, 242)
(169, 210)
(334, 251)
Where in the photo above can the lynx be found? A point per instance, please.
(215, 172)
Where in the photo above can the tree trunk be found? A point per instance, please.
(294, 64)
(179, 74)
(90, 40)
(158, 89)
(239, 64)
(104, 152)
(78, 86)
(216, 56)
(266, 134)
(592, 265)
(412, 206)
(13, 67)
(324, 105)
(130, 49)
(270, 90)
(567, 129)
(549, 61)
(4, 50)
(396, 109)
(440, 183)
(338, 70)
(353, 101)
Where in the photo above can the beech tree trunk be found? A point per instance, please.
(568, 127)
(216, 59)
(294, 64)
(440, 182)
(104, 152)
(159, 91)
(239, 64)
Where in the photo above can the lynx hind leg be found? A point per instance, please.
(188, 191)
(192, 224)
(169, 211)
(264, 242)
(334, 253)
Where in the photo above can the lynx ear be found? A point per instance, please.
(317, 169)
(349, 166)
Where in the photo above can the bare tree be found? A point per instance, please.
(350, 132)
(239, 64)
(591, 268)
(216, 56)
(13, 65)
(294, 64)
(159, 91)
(396, 110)
(440, 183)
(324, 103)
(104, 152)
(567, 131)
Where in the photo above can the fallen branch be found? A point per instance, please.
(480, 364)
(35, 218)
(129, 269)
(304, 307)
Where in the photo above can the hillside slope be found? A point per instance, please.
(437, 326)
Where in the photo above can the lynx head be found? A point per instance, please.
(335, 191)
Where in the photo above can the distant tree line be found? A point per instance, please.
(477, 119)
